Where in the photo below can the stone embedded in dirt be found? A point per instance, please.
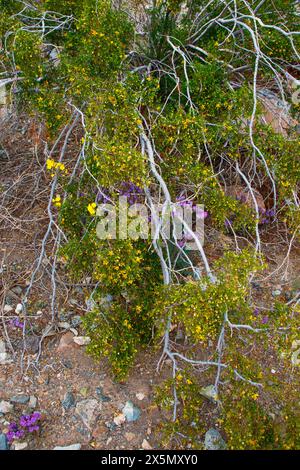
(4, 356)
(140, 396)
(64, 325)
(244, 195)
(82, 340)
(17, 290)
(209, 392)
(70, 447)
(66, 341)
(76, 321)
(101, 396)
(214, 441)
(276, 292)
(6, 407)
(119, 419)
(32, 344)
(68, 401)
(131, 412)
(20, 399)
(32, 402)
(19, 309)
(296, 354)
(130, 436)
(3, 442)
(146, 445)
(20, 445)
(86, 410)
(7, 308)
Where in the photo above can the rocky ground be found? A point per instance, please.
(79, 403)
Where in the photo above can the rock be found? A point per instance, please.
(66, 341)
(120, 419)
(6, 407)
(64, 324)
(130, 436)
(17, 290)
(296, 354)
(5, 358)
(140, 396)
(82, 340)
(243, 194)
(7, 308)
(101, 396)
(146, 445)
(76, 321)
(68, 401)
(276, 292)
(20, 445)
(20, 399)
(32, 402)
(131, 412)
(32, 344)
(71, 447)
(214, 441)
(3, 442)
(84, 391)
(276, 113)
(19, 309)
(86, 410)
(2, 347)
(210, 392)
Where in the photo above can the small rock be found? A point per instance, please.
(20, 399)
(82, 340)
(130, 436)
(131, 412)
(5, 358)
(76, 321)
(86, 410)
(3, 442)
(120, 419)
(32, 402)
(214, 441)
(20, 445)
(7, 308)
(32, 344)
(276, 292)
(140, 396)
(66, 341)
(64, 324)
(2, 347)
(71, 447)
(101, 396)
(146, 445)
(210, 392)
(68, 401)
(17, 290)
(84, 391)
(6, 407)
(19, 309)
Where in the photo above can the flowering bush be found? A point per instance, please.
(167, 112)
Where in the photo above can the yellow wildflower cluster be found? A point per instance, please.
(52, 165)
(57, 201)
(92, 208)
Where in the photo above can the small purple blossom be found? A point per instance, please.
(265, 320)
(27, 422)
(15, 323)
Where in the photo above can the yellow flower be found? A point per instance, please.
(92, 208)
(50, 164)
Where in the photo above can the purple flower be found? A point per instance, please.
(265, 320)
